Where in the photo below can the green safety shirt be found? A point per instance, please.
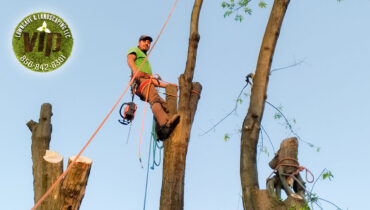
(140, 56)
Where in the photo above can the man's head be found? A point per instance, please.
(144, 43)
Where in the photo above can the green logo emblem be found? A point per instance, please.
(42, 42)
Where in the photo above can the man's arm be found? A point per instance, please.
(131, 62)
(158, 83)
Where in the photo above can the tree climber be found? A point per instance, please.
(142, 81)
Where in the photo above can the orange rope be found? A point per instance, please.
(105, 119)
(142, 123)
(299, 169)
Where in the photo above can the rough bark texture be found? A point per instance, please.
(48, 167)
(74, 184)
(175, 148)
(41, 134)
(53, 169)
(251, 124)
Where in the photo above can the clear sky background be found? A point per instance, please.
(327, 95)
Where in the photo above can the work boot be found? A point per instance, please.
(171, 123)
(164, 132)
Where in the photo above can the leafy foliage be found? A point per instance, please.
(226, 137)
(327, 175)
(262, 4)
(232, 6)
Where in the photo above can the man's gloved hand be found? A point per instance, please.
(159, 77)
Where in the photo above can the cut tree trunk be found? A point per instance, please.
(41, 135)
(286, 164)
(252, 122)
(53, 169)
(74, 184)
(48, 167)
(175, 148)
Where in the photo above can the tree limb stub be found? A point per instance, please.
(74, 183)
(53, 169)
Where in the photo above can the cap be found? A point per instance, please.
(145, 37)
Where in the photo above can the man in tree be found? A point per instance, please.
(144, 80)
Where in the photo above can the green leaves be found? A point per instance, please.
(262, 4)
(313, 197)
(226, 137)
(277, 116)
(238, 18)
(232, 6)
(327, 175)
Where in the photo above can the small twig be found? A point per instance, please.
(290, 66)
(313, 185)
(288, 124)
(310, 193)
(329, 202)
(233, 110)
(318, 206)
(268, 137)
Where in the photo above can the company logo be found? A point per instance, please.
(42, 42)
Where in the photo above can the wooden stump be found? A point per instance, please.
(53, 169)
(74, 184)
(48, 167)
(286, 164)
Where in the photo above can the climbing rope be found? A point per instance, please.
(153, 139)
(142, 122)
(105, 119)
(296, 172)
(155, 147)
(147, 173)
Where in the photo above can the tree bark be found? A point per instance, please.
(41, 134)
(48, 167)
(175, 148)
(74, 184)
(251, 124)
(53, 169)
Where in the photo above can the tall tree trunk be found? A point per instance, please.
(41, 135)
(251, 124)
(175, 148)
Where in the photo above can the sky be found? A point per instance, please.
(326, 95)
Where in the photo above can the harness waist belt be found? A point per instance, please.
(142, 74)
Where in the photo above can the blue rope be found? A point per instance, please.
(155, 146)
(153, 138)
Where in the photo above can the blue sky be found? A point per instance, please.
(326, 94)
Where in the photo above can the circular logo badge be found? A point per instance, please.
(42, 42)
